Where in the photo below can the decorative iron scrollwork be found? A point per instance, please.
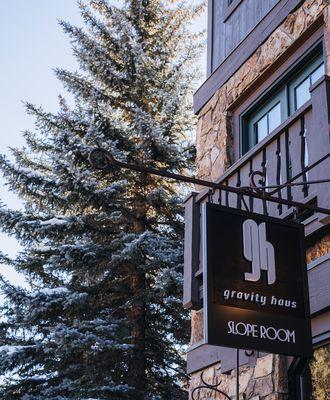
(258, 186)
(208, 386)
(261, 186)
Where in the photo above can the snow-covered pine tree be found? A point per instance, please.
(102, 318)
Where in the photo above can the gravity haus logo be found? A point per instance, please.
(261, 255)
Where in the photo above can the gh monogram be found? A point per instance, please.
(258, 251)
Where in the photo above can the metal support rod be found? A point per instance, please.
(103, 160)
(237, 374)
(284, 185)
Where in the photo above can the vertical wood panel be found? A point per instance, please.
(265, 7)
(257, 11)
(309, 133)
(243, 19)
(264, 171)
(245, 181)
(288, 164)
(249, 16)
(226, 35)
(318, 139)
(232, 197)
(251, 199)
(217, 33)
(303, 154)
(257, 166)
(222, 39)
(210, 32)
(295, 154)
(226, 196)
(238, 185)
(191, 260)
(279, 172)
(283, 171)
(271, 170)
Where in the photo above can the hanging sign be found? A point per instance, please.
(255, 289)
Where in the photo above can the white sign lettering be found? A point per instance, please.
(263, 300)
(261, 331)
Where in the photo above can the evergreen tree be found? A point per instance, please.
(102, 318)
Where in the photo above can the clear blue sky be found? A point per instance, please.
(31, 45)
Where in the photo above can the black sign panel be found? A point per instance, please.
(255, 282)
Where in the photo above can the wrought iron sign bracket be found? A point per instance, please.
(103, 160)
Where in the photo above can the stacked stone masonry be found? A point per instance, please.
(321, 248)
(214, 142)
(266, 381)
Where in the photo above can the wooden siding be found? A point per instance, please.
(243, 50)
(191, 298)
(229, 31)
(319, 284)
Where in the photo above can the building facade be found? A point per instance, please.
(264, 107)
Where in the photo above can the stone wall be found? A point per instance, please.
(321, 248)
(268, 379)
(320, 372)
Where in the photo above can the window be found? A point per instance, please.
(267, 115)
(260, 123)
(299, 88)
(270, 121)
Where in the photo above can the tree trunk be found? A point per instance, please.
(138, 363)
